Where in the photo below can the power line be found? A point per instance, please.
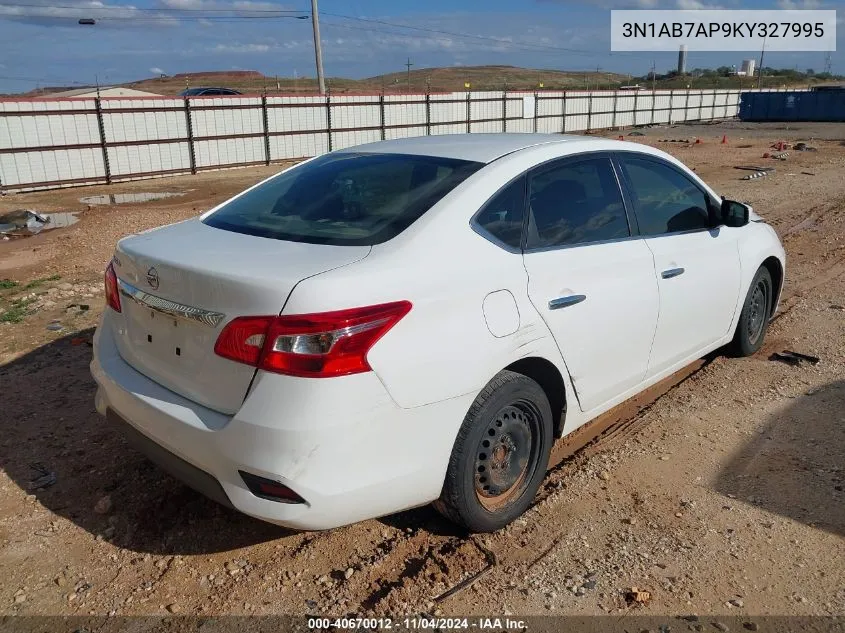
(502, 41)
(262, 14)
(154, 19)
(149, 14)
(217, 19)
(149, 9)
(499, 40)
(513, 45)
(530, 47)
(167, 14)
(42, 80)
(211, 18)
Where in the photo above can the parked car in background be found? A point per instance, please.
(418, 320)
(208, 92)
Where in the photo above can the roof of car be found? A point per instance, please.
(482, 148)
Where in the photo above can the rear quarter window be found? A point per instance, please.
(354, 199)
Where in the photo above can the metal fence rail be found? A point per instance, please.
(65, 142)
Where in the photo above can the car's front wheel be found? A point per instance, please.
(754, 318)
(500, 455)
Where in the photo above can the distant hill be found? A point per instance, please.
(495, 78)
(436, 79)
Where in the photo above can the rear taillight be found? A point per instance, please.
(311, 345)
(112, 293)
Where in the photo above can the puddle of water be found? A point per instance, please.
(26, 223)
(128, 198)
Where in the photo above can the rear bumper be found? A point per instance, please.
(342, 444)
(197, 479)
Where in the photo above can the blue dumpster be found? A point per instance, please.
(817, 105)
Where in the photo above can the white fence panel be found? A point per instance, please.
(404, 132)
(48, 143)
(601, 110)
(298, 146)
(129, 161)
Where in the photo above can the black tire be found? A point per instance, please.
(754, 318)
(511, 418)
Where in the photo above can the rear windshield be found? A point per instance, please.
(350, 199)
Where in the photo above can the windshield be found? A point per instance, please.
(350, 199)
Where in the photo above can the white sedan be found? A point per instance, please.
(418, 320)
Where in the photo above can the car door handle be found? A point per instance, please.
(672, 272)
(563, 302)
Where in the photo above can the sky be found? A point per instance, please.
(41, 42)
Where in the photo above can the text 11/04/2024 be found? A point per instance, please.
(705, 30)
(418, 624)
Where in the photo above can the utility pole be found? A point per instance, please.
(653, 75)
(318, 49)
(760, 72)
(827, 64)
(408, 64)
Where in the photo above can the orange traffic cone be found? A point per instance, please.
(698, 141)
(724, 139)
(780, 146)
(621, 138)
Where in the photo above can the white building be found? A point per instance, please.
(747, 67)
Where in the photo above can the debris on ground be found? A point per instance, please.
(794, 358)
(635, 596)
(753, 168)
(76, 308)
(21, 223)
(26, 222)
(803, 147)
(635, 133)
(756, 174)
(808, 173)
(492, 561)
(45, 479)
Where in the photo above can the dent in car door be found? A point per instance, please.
(590, 280)
(696, 267)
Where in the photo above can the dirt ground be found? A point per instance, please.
(723, 497)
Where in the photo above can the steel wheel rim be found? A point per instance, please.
(757, 312)
(506, 456)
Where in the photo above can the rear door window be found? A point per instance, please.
(355, 199)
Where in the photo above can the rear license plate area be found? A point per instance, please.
(159, 335)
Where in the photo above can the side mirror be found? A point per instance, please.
(734, 214)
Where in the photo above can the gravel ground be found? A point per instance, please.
(723, 497)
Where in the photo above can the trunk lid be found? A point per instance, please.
(180, 284)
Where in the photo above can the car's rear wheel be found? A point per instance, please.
(500, 456)
(754, 318)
